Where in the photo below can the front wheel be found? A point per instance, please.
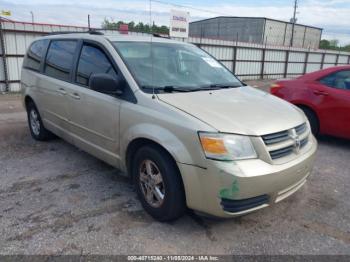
(36, 126)
(158, 183)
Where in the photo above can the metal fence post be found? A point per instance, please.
(234, 59)
(262, 69)
(286, 64)
(285, 33)
(3, 53)
(304, 37)
(337, 59)
(306, 60)
(322, 60)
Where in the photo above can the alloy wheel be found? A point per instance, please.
(34, 122)
(151, 183)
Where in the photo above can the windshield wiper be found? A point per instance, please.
(168, 89)
(224, 86)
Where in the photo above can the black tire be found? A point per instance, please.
(173, 204)
(41, 133)
(314, 123)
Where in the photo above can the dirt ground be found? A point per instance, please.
(56, 199)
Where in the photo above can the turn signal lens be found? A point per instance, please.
(213, 145)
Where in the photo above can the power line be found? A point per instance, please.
(293, 20)
(190, 7)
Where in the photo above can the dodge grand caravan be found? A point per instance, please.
(179, 123)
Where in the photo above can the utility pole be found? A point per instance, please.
(89, 22)
(294, 21)
(32, 14)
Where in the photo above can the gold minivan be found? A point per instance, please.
(180, 124)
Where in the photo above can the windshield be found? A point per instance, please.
(178, 66)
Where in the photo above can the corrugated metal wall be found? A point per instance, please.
(256, 30)
(230, 28)
(246, 60)
(280, 33)
(274, 33)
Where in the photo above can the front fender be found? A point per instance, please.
(159, 135)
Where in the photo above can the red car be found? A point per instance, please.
(324, 96)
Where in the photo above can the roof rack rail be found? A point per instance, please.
(161, 36)
(91, 32)
(95, 32)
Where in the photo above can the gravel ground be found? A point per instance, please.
(56, 199)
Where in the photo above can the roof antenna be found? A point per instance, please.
(151, 31)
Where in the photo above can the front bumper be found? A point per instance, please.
(227, 189)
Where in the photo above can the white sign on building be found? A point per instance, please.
(179, 23)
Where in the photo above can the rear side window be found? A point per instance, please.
(35, 54)
(59, 59)
(339, 80)
(93, 61)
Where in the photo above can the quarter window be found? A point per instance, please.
(35, 54)
(93, 61)
(59, 59)
(340, 80)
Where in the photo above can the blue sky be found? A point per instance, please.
(261, 2)
(332, 15)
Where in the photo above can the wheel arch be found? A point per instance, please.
(136, 144)
(28, 99)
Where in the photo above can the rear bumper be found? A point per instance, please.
(227, 189)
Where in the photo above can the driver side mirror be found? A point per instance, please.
(107, 84)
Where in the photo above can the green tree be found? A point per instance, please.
(347, 48)
(333, 45)
(106, 24)
(324, 44)
(131, 26)
(140, 27)
(164, 30)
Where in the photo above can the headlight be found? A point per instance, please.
(226, 147)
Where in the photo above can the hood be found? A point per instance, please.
(244, 110)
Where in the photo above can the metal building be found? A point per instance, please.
(258, 30)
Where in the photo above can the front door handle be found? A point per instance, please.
(75, 96)
(320, 93)
(62, 91)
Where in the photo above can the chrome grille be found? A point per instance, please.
(301, 129)
(304, 142)
(275, 137)
(281, 152)
(284, 143)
